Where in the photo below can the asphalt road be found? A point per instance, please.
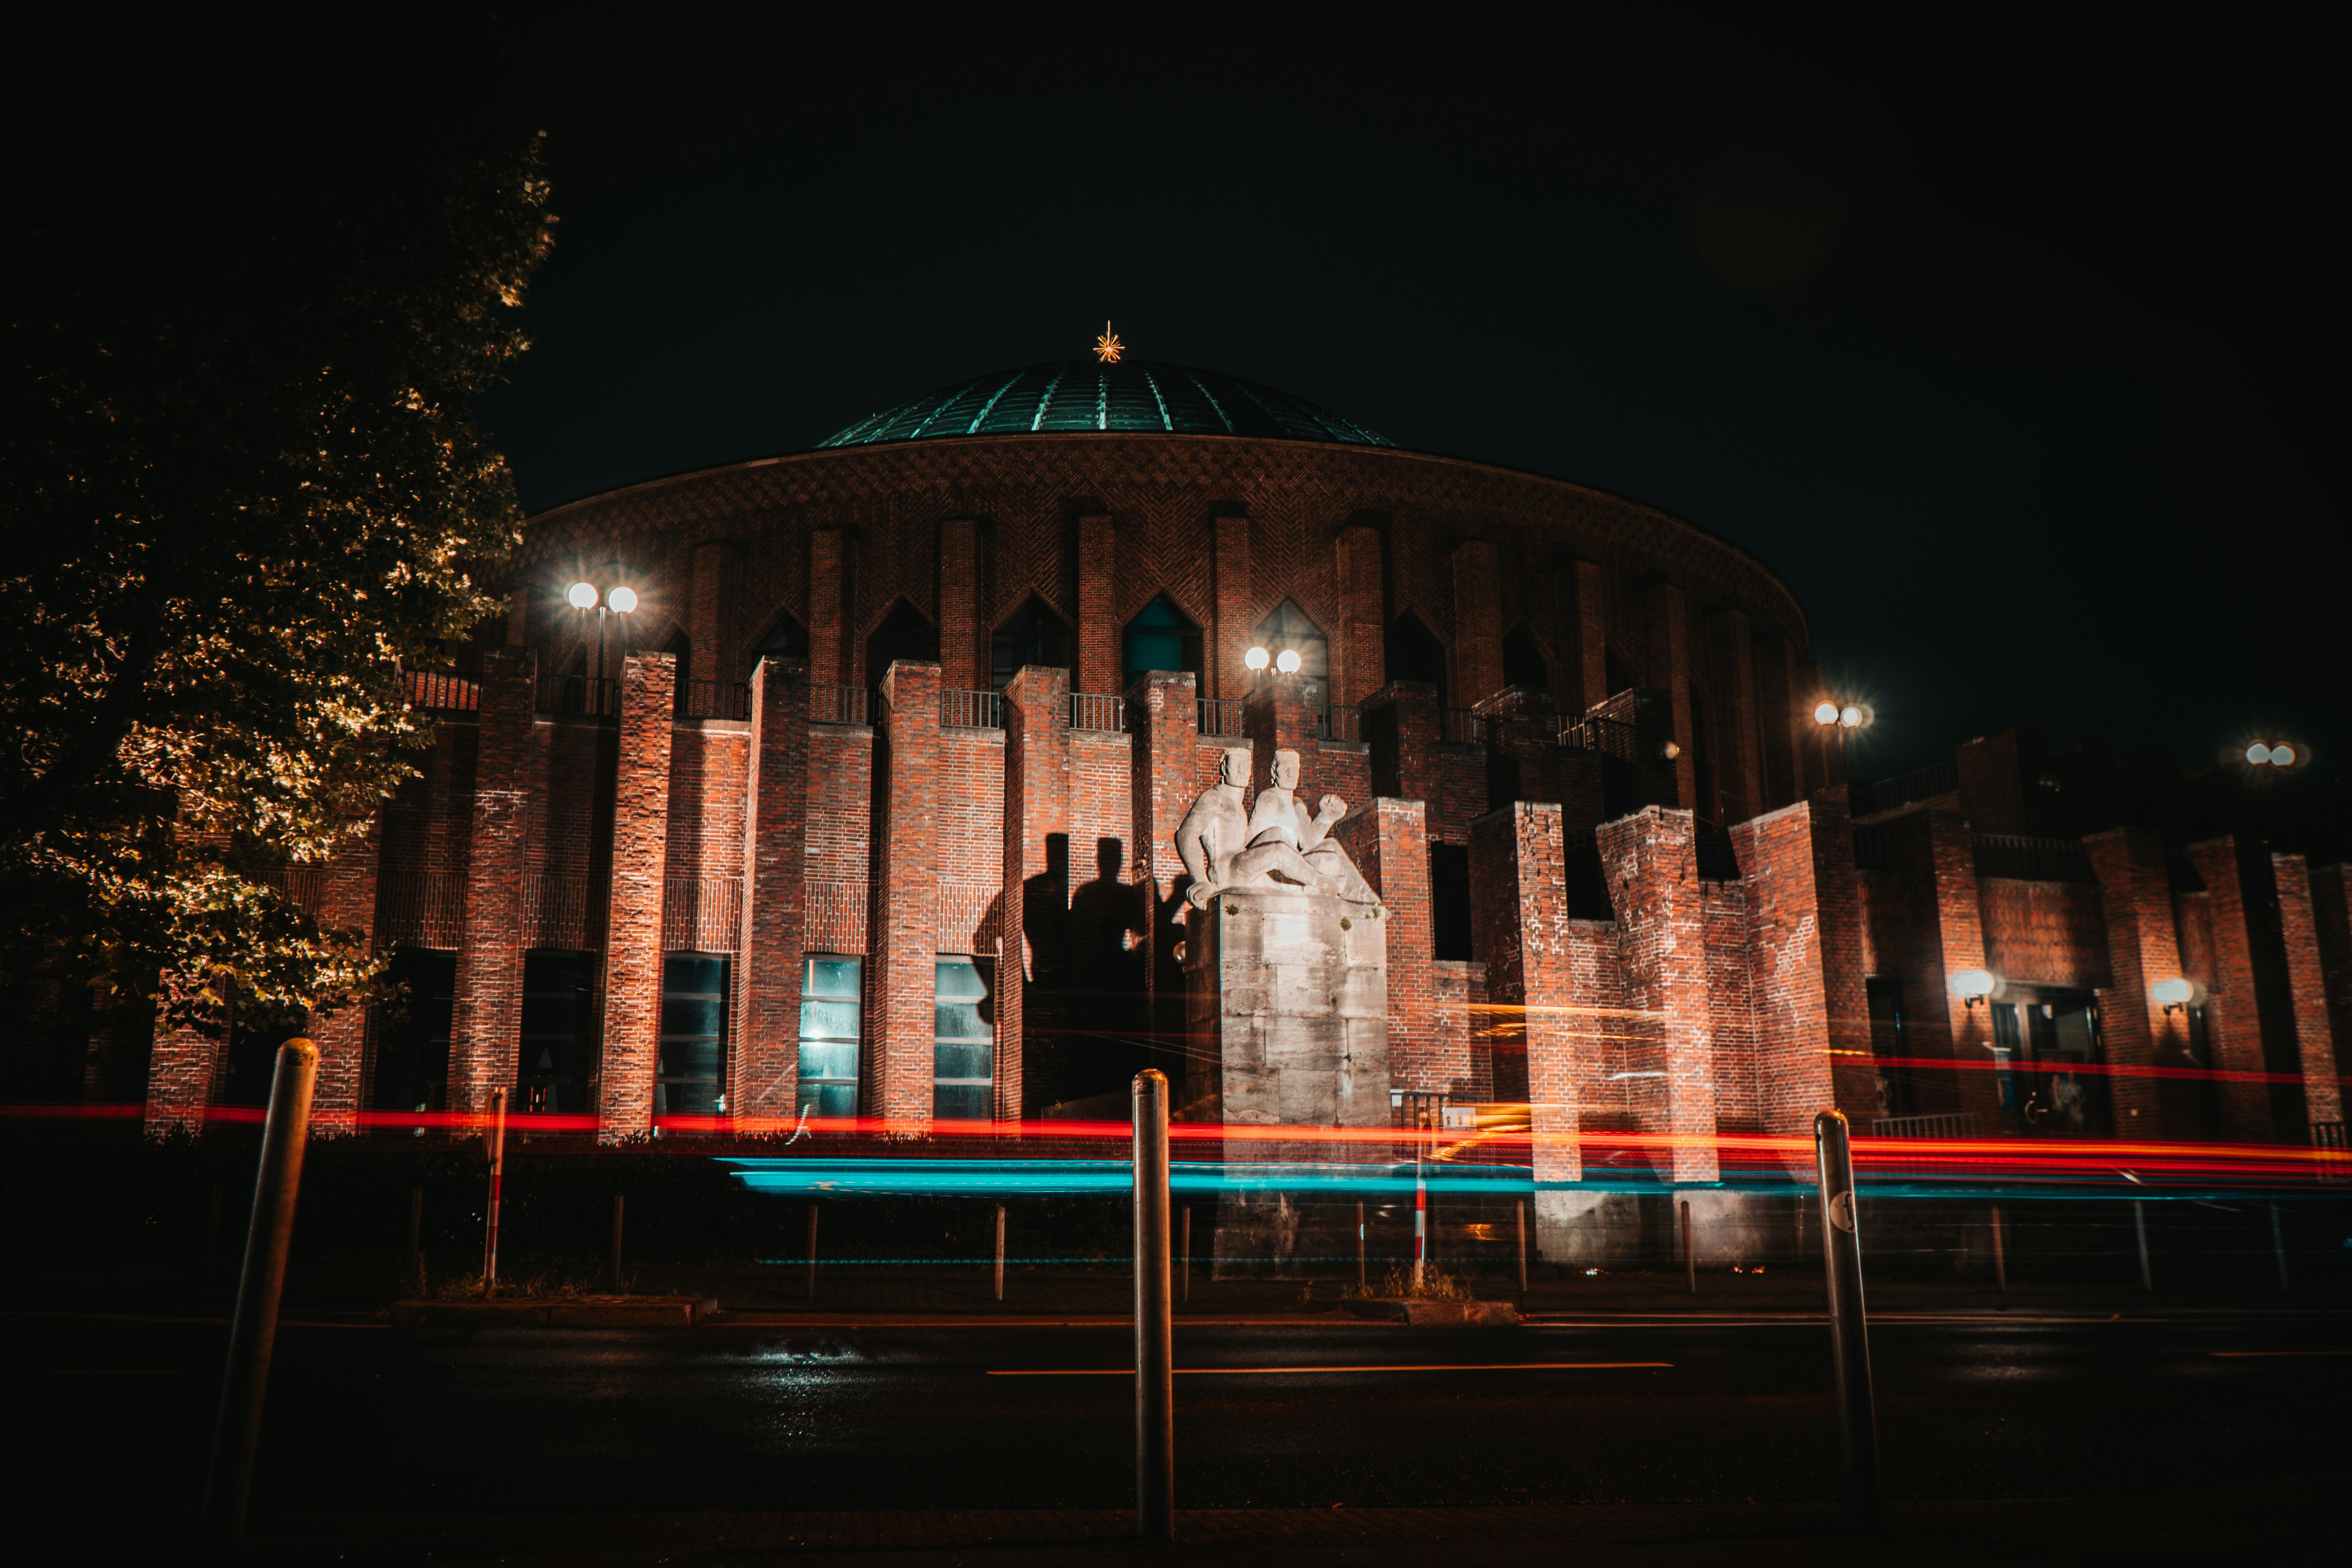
(368, 1418)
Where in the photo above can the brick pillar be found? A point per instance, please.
(1478, 622)
(1230, 637)
(1518, 912)
(963, 667)
(184, 1067)
(1739, 738)
(633, 937)
(2307, 992)
(1812, 1018)
(1164, 719)
(1276, 717)
(2143, 948)
(1098, 660)
(1359, 652)
(829, 664)
(1651, 861)
(519, 617)
(341, 1037)
(1782, 725)
(710, 648)
(2331, 913)
(2236, 1030)
(1935, 855)
(1401, 728)
(1036, 803)
(1668, 619)
(895, 1080)
(1388, 840)
(485, 1023)
(1589, 687)
(763, 1067)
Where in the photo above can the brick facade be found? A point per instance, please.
(633, 943)
(487, 1026)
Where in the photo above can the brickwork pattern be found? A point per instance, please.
(1519, 913)
(1666, 620)
(1098, 622)
(1386, 840)
(2143, 948)
(632, 948)
(830, 662)
(1652, 864)
(2331, 913)
(895, 1079)
(1811, 1021)
(487, 1022)
(1036, 803)
(2048, 933)
(1359, 647)
(1165, 728)
(2307, 990)
(342, 1089)
(2233, 1018)
(763, 1065)
(1230, 634)
(964, 645)
(1934, 854)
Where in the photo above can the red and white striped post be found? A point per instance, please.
(498, 1140)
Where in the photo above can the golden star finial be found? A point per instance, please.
(1108, 346)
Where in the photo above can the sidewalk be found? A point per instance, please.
(2289, 1521)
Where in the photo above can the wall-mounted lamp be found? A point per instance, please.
(2175, 994)
(1670, 751)
(1973, 985)
(1256, 658)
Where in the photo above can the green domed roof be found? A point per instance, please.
(1130, 396)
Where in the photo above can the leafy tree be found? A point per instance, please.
(241, 486)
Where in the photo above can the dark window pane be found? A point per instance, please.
(837, 1060)
(831, 976)
(951, 1060)
(828, 1020)
(960, 1021)
(960, 1102)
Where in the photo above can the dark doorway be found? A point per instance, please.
(1523, 661)
(1890, 1043)
(681, 647)
(1032, 635)
(412, 1031)
(1449, 901)
(1161, 637)
(1413, 653)
(905, 633)
(559, 1030)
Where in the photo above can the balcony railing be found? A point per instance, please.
(1950, 1124)
(1610, 737)
(1090, 712)
(2033, 859)
(1920, 784)
(1339, 721)
(837, 705)
(579, 696)
(973, 709)
(442, 693)
(714, 699)
(1462, 726)
(1220, 716)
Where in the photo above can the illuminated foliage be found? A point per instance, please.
(241, 483)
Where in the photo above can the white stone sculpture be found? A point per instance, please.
(1275, 843)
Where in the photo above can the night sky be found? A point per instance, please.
(2016, 363)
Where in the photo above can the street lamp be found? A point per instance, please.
(2278, 757)
(1287, 661)
(1256, 658)
(621, 599)
(1841, 718)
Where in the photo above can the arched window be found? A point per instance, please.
(681, 647)
(1523, 661)
(906, 633)
(1413, 653)
(1288, 628)
(1161, 637)
(785, 640)
(1032, 635)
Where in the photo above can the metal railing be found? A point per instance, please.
(1919, 784)
(1089, 710)
(1610, 737)
(579, 696)
(973, 709)
(837, 705)
(1220, 716)
(714, 699)
(1462, 726)
(1949, 1124)
(1338, 721)
(2033, 859)
(444, 693)
(2336, 1160)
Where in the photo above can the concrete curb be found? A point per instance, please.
(1440, 1314)
(581, 1312)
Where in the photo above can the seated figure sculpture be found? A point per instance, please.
(1221, 848)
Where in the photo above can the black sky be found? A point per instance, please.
(2014, 353)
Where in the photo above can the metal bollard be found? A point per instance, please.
(812, 1249)
(1849, 1329)
(618, 1203)
(2278, 1245)
(1690, 1254)
(1520, 1211)
(1155, 1404)
(2000, 1252)
(2139, 1225)
(496, 1142)
(999, 1252)
(252, 1332)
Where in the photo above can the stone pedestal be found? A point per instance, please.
(1286, 1005)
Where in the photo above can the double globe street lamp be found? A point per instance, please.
(621, 600)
